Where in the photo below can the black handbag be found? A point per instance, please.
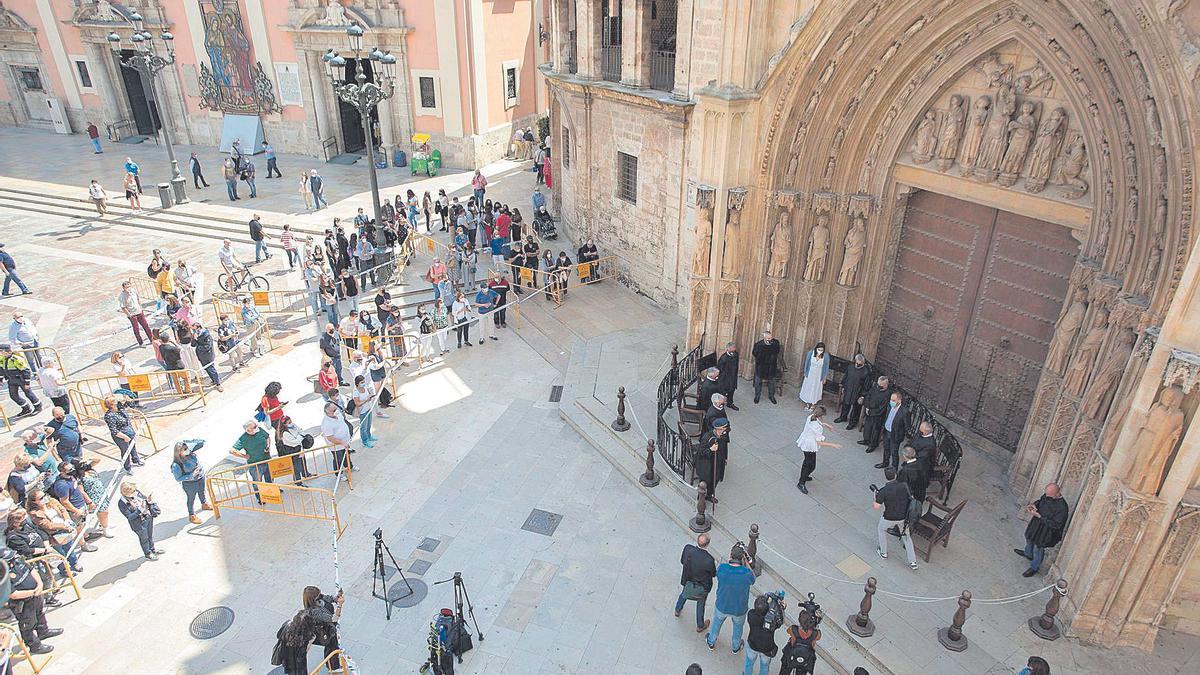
(155, 509)
(306, 441)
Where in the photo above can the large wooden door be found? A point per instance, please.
(973, 303)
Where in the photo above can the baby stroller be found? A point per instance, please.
(543, 224)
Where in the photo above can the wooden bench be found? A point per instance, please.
(935, 528)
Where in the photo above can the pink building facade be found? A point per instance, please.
(466, 71)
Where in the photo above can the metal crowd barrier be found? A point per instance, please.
(87, 394)
(50, 562)
(266, 302)
(240, 487)
(89, 408)
(10, 635)
(325, 663)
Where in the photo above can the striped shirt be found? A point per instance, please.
(287, 240)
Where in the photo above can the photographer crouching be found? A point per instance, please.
(764, 619)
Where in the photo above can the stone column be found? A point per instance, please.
(315, 83)
(587, 40)
(683, 49)
(635, 44)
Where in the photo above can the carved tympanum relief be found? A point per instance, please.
(1000, 123)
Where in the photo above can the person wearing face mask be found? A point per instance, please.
(895, 428)
(816, 371)
(854, 386)
(766, 365)
(875, 407)
(589, 254)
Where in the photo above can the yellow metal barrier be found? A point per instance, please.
(10, 635)
(145, 287)
(7, 423)
(41, 353)
(239, 487)
(266, 302)
(50, 561)
(423, 243)
(90, 408)
(325, 663)
(154, 385)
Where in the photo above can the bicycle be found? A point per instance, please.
(240, 277)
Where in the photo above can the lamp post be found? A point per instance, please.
(149, 63)
(364, 96)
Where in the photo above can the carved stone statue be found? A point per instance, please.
(779, 246)
(1020, 139)
(1085, 355)
(104, 11)
(1065, 332)
(1103, 387)
(335, 15)
(952, 128)
(855, 245)
(980, 113)
(1045, 149)
(1129, 231)
(1071, 167)
(1153, 262)
(995, 136)
(818, 249)
(1155, 441)
(704, 233)
(926, 142)
(731, 262)
(1153, 124)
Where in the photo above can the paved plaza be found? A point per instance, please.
(475, 445)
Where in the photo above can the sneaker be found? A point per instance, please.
(737, 648)
(50, 633)
(206, 507)
(802, 487)
(151, 556)
(159, 551)
(494, 338)
(711, 646)
(912, 565)
(88, 548)
(881, 553)
(481, 340)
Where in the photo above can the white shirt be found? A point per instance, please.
(51, 381)
(357, 368)
(349, 326)
(22, 331)
(810, 439)
(335, 428)
(227, 257)
(184, 275)
(130, 303)
(96, 192)
(887, 424)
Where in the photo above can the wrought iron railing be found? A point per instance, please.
(610, 63)
(674, 444)
(662, 70)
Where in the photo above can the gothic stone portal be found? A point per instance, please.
(972, 307)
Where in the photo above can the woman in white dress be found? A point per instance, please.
(816, 370)
(811, 440)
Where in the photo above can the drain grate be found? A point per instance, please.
(399, 596)
(556, 393)
(429, 544)
(211, 622)
(542, 522)
(419, 567)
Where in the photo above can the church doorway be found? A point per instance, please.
(975, 296)
(354, 138)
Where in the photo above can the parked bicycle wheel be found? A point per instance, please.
(226, 282)
(258, 283)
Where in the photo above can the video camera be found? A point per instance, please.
(775, 606)
(810, 609)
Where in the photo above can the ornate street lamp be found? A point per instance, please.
(362, 95)
(149, 63)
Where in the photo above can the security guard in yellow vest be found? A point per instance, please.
(16, 372)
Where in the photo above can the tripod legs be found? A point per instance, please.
(379, 575)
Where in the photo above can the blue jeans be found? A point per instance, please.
(764, 662)
(1035, 554)
(293, 256)
(699, 607)
(71, 557)
(96, 145)
(364, 428)
(11, 277)
(231, 188)
(191, 490)
(211, 369)
(260, 249)
(253, 190)
(260, 473)
(739, 622)
(479, 198)
(319, 199)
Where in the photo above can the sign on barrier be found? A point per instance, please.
(139, 383)
(261, 298)
(430, 246)
(280, 466)
(582, 269)
(526, 275)
(270, 494)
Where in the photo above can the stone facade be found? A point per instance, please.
(804, 139)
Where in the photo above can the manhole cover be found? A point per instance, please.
(419, 567)
(542, 522)
(399, 594)
(211, 622)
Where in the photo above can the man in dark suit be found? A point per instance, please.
(709, 385)
(895, 428)
(925, 446)
(875, 408)
(728, 365)
(716, 411)
(766, 365)
(854, 387)
(711, 455)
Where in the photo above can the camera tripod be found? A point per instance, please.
(379, 574)
(460, 594)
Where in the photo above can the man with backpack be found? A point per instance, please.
(897, 503)
(799, 655)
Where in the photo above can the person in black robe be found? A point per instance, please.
(925, 446)
(709, 384)
(766, 365)
(854, 387)
(727, 364)
(715, 412)
(875, 409)
(711, 455)
(912, 474)
(1046, 529)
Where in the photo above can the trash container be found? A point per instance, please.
(165, 195)
(399, 159)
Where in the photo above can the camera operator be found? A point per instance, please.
(764, 619)
(27, 603)
(800, 652)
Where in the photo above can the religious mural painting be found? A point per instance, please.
(235, 82)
